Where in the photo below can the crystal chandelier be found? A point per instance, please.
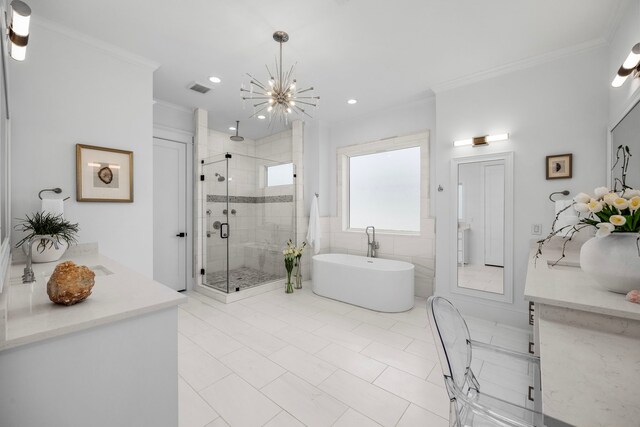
(280, 97)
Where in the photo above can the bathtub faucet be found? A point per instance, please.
(372, 245)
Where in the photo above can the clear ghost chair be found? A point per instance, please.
(469, 406)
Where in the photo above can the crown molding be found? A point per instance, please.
(105, 47)
(173, 106)
(519, 65)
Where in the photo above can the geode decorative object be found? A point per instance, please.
(70, 283)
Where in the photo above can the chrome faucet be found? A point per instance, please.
(29, 276)
(372, 245)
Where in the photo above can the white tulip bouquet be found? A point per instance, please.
(292, 255)
(608, 211)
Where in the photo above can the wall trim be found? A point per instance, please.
(105, 47)
(177, 135)
(173, 106)
(520, 65)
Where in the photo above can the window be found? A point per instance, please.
(384, 190)
(280, 175)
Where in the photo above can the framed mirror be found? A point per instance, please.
(5, 170)
(625, 132)
(482, 230)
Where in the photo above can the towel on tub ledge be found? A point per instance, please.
(313, 234)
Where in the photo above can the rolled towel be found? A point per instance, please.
(634, 296)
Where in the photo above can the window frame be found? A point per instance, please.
(266, 174)
(344, 154)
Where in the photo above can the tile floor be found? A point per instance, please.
(298, 359)
(481, 277)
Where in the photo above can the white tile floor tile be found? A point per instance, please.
(284, 419)
(247, 362)
(352, 418)
(384, 336)
(252, 367)
(381, 406)
(407, 362)
(302, 339)
(193, 410)
(216, 343)
(342, 337)
(415, 416)
(355, 363)
(307, 366)
(415, 390)
(199, 369)
(239, 403)
(304, 401)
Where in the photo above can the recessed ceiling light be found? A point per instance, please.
(214, 79)
(261, 117)
(232, 128)
(352, 101)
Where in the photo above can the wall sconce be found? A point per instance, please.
(18, 29)
(630, 66)
(481, 140)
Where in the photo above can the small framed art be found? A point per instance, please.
(103, 174)
(560, 166)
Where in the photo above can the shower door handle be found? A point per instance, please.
(224, 230)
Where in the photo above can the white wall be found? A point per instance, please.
(553, 108)
(625, 37)
(71, 91)
(172, 117)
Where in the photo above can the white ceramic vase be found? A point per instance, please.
(49, 254)
(613, 261)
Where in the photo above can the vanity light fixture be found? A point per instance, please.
(631, 65)
(18, 29)
(481, 140)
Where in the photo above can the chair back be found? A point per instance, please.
(452, 340)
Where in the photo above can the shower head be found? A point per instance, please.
(220, 177)
(235, 137)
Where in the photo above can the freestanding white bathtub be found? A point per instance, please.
(378, 284)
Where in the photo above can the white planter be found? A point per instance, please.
(49, 254)
(613, 261)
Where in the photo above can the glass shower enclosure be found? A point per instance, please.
(249, 215)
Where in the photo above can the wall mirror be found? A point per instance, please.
(626, 132)
(482, 218)
(5, 170)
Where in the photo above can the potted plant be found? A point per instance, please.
(46, 224)
(612, 257)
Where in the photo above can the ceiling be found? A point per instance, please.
(381, 53)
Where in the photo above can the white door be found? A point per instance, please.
(494, 214)
(170, 213)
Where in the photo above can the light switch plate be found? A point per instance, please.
(536, 229)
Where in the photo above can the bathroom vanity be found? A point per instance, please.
(110, 360)
(588, 340)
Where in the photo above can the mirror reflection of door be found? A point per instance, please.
(481, 219)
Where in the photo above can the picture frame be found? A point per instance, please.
(559, 166)
(103, 174)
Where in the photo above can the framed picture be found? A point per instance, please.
(103, 174)
(559, 166)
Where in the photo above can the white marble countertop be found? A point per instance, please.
(566, 285)
(27, 315)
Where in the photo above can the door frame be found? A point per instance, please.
(183, 137)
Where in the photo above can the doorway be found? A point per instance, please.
(170, 235)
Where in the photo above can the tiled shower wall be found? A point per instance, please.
(264, 218)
